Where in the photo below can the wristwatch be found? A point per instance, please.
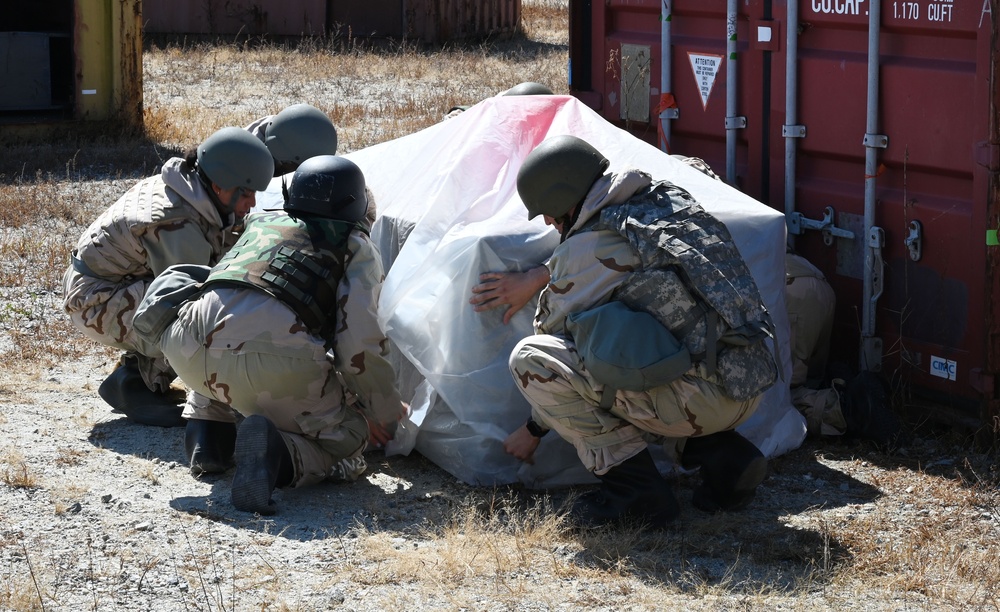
(535, 429)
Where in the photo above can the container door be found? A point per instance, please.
(934, 186)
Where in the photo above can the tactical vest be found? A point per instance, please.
(298, 260)
(695, 282)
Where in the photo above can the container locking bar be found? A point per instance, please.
(799, 223)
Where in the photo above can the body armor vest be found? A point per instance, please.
(694, 282)
(298, 260)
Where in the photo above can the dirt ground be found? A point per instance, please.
(99, 513)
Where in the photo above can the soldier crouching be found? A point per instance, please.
(650, 327)
(283, 331)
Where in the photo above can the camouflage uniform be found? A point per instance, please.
(588, 269)
(259, 127)
(810, 301)
(239, 348)
(161, 221)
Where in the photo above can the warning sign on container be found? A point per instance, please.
(705, 68)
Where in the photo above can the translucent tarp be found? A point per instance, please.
(449, 211)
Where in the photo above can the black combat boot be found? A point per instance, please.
(262, 463)
(631, 491)
(731, 469)
(209, 446)
(864, 402)
(126, 392)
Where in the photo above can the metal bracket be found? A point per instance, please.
(793, 131)
(914, 241)
(876, 141)
(876, 242)
(871, 354)
(670, 113)
(871, 346)
(799, 223)
(736, 123)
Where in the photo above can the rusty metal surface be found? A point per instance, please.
(86, 65)
(250, 17)
(937, 107)
(431, 21)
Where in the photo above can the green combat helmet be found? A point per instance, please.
(558, 174)
(297, 133)
(233, 157)
(528, 88)
(328, 186)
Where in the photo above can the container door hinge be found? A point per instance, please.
(799, 223)
(987, 155)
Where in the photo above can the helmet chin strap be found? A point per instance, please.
(226, 211)
(568, 220)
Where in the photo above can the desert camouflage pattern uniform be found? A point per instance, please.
(161, 221)
(586, 270)
(259, 127)
(810, 301)
(241, 349)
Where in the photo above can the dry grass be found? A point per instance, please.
(16, 473)
(922, 534)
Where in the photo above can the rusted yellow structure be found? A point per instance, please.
(69, 61)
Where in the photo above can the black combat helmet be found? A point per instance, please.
(328, 186)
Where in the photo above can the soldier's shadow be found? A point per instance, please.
(397, 493)
(118, 434)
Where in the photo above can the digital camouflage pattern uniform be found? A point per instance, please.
(588, 269)
(239, 348)
(161, 221)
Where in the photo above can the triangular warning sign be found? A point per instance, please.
(705, 67)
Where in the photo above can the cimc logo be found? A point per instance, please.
(944, 368)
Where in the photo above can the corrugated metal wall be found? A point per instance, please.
(431, 21)
(251, 17)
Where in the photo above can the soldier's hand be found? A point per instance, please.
(512, 290)
(521, 444)
(380, 434)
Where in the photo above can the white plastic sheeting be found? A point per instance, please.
(449, 211)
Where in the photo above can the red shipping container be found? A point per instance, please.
(873, 126)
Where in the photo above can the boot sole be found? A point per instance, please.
(251, 482)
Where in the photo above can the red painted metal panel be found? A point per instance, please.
(276, 17)
(937, 107)
(430, 21)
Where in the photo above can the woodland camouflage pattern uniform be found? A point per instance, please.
(239, 348)
(163, 220)
(588, 269)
